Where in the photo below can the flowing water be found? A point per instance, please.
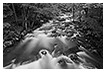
(54, 41)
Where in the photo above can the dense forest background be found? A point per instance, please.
(22, 18)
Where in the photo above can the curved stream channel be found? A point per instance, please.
(52, 37)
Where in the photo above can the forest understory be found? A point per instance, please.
(80, 23)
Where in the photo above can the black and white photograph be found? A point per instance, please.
(52, 36)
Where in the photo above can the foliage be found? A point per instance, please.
(22, 18)
(91, 26)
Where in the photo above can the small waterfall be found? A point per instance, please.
(40, 39)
